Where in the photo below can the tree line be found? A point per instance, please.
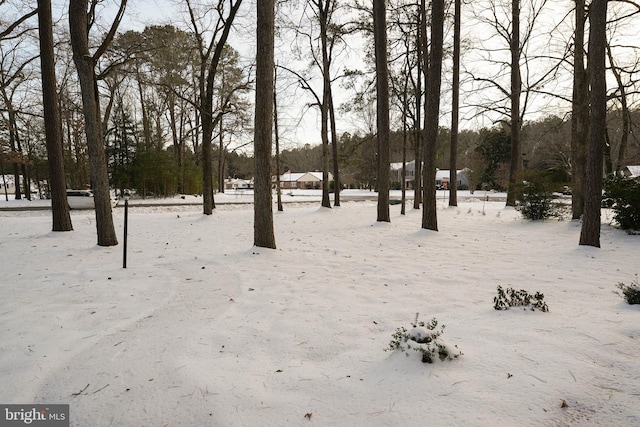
(167, 110)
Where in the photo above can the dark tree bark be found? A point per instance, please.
(432, 114)
(516, 90)
(16, 153)
(382, 109)
(276, 134)
(85, 63)
(405, 135)
(423, 68)
(590, 232)
(52, 125)
(323, 8)
(455, 107)
(579, 115)
(263, 214)
(334, 150)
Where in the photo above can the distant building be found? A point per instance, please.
(238, 184)
(302, 180)
(443, 177)
(8, 184)
(632, 172)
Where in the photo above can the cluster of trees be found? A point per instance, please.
(150, 126)
(167, 109)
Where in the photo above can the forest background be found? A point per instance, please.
(148, 85)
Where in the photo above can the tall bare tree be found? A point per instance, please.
(590, 231)
(455, 106)
(432, 115)
(516, 90)
(276, 135)
(263, 233)
(57, 185)
(81, 15)
(323, 32)
(210, 48)
(512, 101)
(382, 90)
(596, 64)
(423, 70)
(579, 113)
(323, 10)
(615, 165)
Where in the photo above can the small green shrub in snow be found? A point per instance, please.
(424, 338)
(535, 198)
(622, 195)
(630, 293)
(512, 298)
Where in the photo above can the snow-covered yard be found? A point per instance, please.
(202, 329)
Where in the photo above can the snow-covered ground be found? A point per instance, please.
(202, 329)
(246, 196)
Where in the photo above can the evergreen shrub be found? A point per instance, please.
(622, 195)
(512, 298)
(424, 338)
(534, 196)
(631, 293)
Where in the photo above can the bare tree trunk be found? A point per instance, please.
(432, 114)
(16, 154)
(208, 68)
(382, 110)
(334, 151)
(423, 67)
(4, 179)
(263, 214)
(455, 107)
(617, 165)
(221, 157)
(323, 16)
(606, 154)
(579, 115)
(405, 135)
(146, 129)
(516, 89)
(590, 232)
(207, 152)
(52, 125)
(277, 141)
(26, 175)
(78, 28)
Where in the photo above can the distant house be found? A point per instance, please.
(443, 177)
(7, 183)
(238, 184)
(632, 172)
(395, 174)
(302, 180)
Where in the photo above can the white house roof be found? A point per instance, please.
(305, 176)
(444, 174)
(237, 180)
(288, 176)
(312, 176)
(634, 171)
